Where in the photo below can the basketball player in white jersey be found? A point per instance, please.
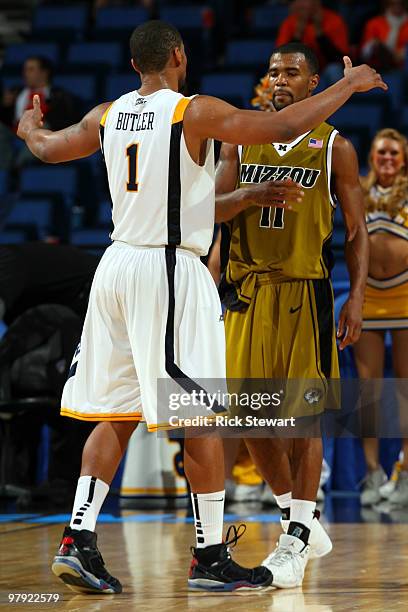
(153, 310)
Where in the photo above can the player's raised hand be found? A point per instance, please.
(32, 119)
(282, 194)
(362, 78)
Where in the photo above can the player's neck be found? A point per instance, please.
(156, 81)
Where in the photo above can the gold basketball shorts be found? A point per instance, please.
(287, 332)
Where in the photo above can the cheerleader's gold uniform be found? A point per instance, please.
(386, 300)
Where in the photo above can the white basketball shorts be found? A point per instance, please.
(153, 314)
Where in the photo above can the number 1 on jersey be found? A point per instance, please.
(132, 153)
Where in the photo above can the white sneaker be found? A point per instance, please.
(399, 497)
(319, 540)
(247, 493)
(389, 487)
(370, 493)
(287, 562)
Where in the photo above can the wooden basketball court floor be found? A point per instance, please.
(149, 553)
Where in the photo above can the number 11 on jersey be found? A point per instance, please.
(132, 154)
(278, 218)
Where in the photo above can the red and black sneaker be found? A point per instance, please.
(212, 568)
(80, 565)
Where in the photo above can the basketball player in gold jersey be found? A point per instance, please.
(281, 324)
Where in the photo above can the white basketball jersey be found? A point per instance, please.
(160, 195)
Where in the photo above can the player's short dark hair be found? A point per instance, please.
(44, 64)
(307, 52)
(152, 43)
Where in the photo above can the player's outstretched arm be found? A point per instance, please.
(73, 142)
(230, 201)
(350, 195)
(208, 117)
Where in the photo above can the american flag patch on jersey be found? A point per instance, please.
(315, 144)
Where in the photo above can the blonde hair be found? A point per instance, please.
(393, 202)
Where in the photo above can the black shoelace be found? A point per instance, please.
(238, 532)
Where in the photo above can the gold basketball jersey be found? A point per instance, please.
(287, 244)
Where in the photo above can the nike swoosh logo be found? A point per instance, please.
(214, 500)
(292, 310)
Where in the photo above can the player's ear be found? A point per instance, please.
(135, 66)
(313, 82)
(177, 56)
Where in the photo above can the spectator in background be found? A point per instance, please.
(58, 106)
(319, 28)
(385, 36)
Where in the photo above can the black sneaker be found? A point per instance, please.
(80, 565)
(212, 568)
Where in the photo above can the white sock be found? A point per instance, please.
(284, 500)
(301, 511)
(89, 497)
(209, 517)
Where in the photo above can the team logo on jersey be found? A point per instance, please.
(257, 173)
(313, 396)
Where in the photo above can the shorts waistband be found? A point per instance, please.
(180, 250)
(274, 278)
(388, 283)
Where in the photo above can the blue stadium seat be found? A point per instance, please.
(236, 87)
(368, 116)
(43, 179)
(3, 329)
(17, 54)
(3, 182)
(395, 92)
(12, 237)
(338, 237)
(81, 85)
(183, 17)
(91, 237)
(340, 272)
(120, 18)
(340, 286)
(105, 213)
(9, 82)
(269, 17)
(404, 117)
(60, 18)
(249, 53)
(33, 212)
(338, 217)
(118, 84)
(95, 53)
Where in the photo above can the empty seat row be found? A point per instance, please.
(88, 87)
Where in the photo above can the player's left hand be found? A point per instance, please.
(32, 119)
(350, 322)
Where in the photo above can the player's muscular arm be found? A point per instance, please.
(73, 142)
(208, 117)
(349, 193)
(230, 201)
